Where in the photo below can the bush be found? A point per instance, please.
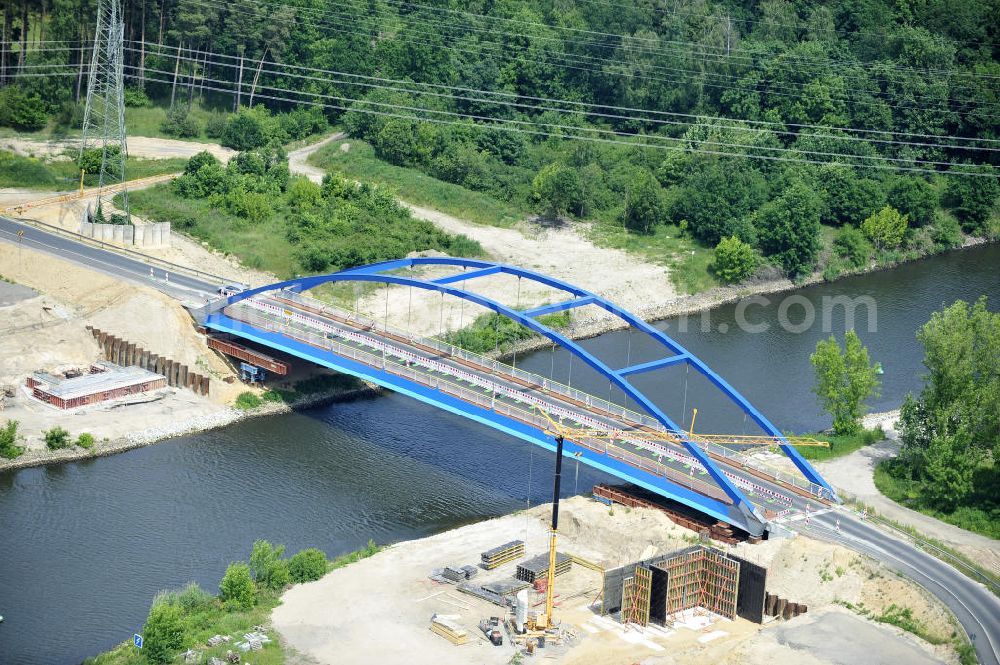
(972, 199)
(946, 232)
(247, 400)
(215, 126)
(735, 260)
(178, 123)
(20, 110)
(163, 634)
(245, 130)
(57, 438)
(308, 565)
(885, 228)
(85, 440)
(136, 98)
(269, 570)
(8, 440)
(237, 589)
(852, 245)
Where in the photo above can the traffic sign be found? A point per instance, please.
(137, 640)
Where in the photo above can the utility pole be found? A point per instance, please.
(104, 115)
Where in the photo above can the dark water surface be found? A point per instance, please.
(84, 546)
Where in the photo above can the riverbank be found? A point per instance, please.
(391, 592)
(201, 423)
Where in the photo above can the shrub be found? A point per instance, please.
(20, 110)
(136, 98)
(57, 438)
(269, 570)
(203, 158)
(885, 228)
(852, 245)
(946, 232)
(735, 260)
(215, 126)
(8, 440)
(247, 400)
(163, 634)
(308, 565)
(237, 589)
(972, 199)
(85, 440)
(90, 161)
(178, 123)
(245, 130)
(193, 598)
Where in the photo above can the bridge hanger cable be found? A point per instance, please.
(777, 127)
(592, 139)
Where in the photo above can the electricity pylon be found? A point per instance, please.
(104, 116)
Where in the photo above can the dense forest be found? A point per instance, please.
(756, 124)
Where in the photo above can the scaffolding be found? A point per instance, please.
(635, 597)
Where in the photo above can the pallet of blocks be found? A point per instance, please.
(447, 627)
(502, 554)
(538, 567)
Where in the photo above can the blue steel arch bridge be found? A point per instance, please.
(645, 447)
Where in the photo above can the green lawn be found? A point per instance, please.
(59, 175)
(360, 163)
(839, 445)
(980, 512)
(262, 247)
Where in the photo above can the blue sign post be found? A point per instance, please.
(137, 640)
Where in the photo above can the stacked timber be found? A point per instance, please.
(502, 554)
(445, 625)
(780, 607)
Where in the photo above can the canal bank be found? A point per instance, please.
(389, 469)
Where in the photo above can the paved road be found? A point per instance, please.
(178, 285)
(975, 606)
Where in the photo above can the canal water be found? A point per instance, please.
(85, 546)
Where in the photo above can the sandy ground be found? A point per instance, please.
(46, 331)
(138, 146)
(378, 609)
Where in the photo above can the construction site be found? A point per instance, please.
(629, 585)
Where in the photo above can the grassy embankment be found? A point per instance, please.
(59, 175)
(979, 512)
(360, 163)
(203, 615)
(839, 445)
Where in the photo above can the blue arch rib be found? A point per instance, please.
(659, 336)
(374, 273)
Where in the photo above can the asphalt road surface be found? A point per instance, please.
(975, 606)
(175, 284)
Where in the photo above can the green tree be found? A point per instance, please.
(163, 634)
(716, 200)
(972, 199)
(962, 388)
(644, 204)
(8, 440)
(735, 260)
(885, 228)
(557, 189)
(788, 228)
(308, 565)
(237, 589)
(848, 199)
(269, 570)
(20, 110)
(244, 130)
(844, 380)
(914, 197)
(948, 471)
